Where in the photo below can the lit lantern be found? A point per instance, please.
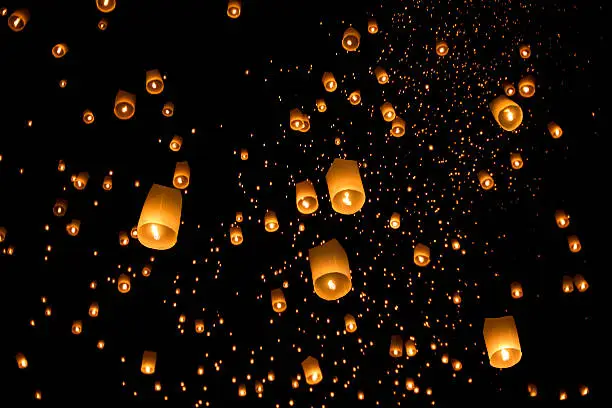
(421, 255)
(516, 289)
(61, 166)
(509, 89)
(329, 82)
(394, 222)
(182, 173)
(457, 298)
(396, 349)
(73, 228)
(154, 82)
(199, 326)
(388, 113)
(234, 8)
(350, 39)
(88, 117)
(242, 391)
(176, 143)
(18, 20)
(507, 113)
(345, 187)
(574, 243)
(200, 370)
(525, 51)
(355, 97)
(567, 284)
(244, 154)
(502, 342)
(124, 238)
(301, 227)
(2, 234)
(409, 384)
(160, 218)
(306, 197)
(80, 181)
(239, 216)
(271, 376)
(457, 366)
(312, 371)
(296, 119)
(526, 86)
(306, 125)
(350, 325)
(270, 221)
(77, 327)
(278, 300)
(580, 283)
(398, 127)
(485, 180)
(360, 395)
(123, 283)
(441, 48)
(321, 105)
(258, 387)
(106, 6)
(60, 207)
(562, 395)
(236, 237)
(455, 244)
(532, 390)
(555, 130)
(157, 386)
(146, 271)
(94, 310)
(148, 362)
(125, 105)
(331, 275)
(583, 390)
(372, 26)
(134, 232)
(516, 161)
(411, 349)
(22, 361)
(102, 24)
(168, 109)
(562, 219)
(381, 75)
(59, 50)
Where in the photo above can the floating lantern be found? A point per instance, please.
(22, 361)
(123, 283)
(271, 376)
(562, 219)
(61, 166)
(331, 275)
(567, 284)
(77, 327)
(350, 325)
(394, 222)
(160, 218)
(306, 124)
(102, 24)
(580, 283)
(2, 234)
(516, 161)
(80, 181)
(18, 20)
(278, 300)
(312, 371)
(239, 216)
(381, 75)
(421, 255)
(345, 187)
(258, 387)
(306, 197)
(94, 310)
(502, 342)
(242, 391)
(270, 221)
(60, 207)
(396, 347)
(199, 326)
(296, 119)
(182, 173)
(59, 50)
(329, 82)
(73, 228)
(410, 347)
(516, 289)
(409, 384)
(456, 364)
(526, 86)
(157, 386)
(457, 298)
(441, 48)
(146, 271)
(88, 117)
(154, 83)
(125, 105)
(148, 362)
(372, 26)
(555, 130)
(388, 113)
(321, 105)
(176, 143)
(574, 243)
(244, 154)
(301, 227)
(106, 6)
(485, 180)
(355, 97)
(168, 109)
(455, 244)
(509, 89)
(350, 39)
(532, 390)
(234, 7)
(398, 127)
(506, 113)
(236, 237)
(124, 238)
(583, 390)
(562, 395)
(525, 51)
(134, 232)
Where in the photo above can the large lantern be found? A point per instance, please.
(168, 109)
(331, 275)
(278, 300)
(441, 48)
(176, 143)
(567, 284)
(388, 113)
(355, 97)
(236, 237)
(154, 82)
(123, 283)
(509, 89)
(502, 342)
(580, 283)
(396, 348)
(524, 51)
(270, 221)
(60, 207)
(574, 243)
(312, 371)
(350, 325)
(421, 255)
(350, 39)
(345, 187)
(516, 289)
(398, 127)
(562, 219)
(485, 180)
(73, 228)
(106, 6)
(455, 244)
(80, 181)
(381, 75)
(321, 105)
(329, 82)
(555, 130)
(18, 20)
(506, 113)
(234, 8)
(59, 50)
(125, 105)
(372, 26)
(182, 174)
(160, 218)
(148, 362)
(526, 86)
(394, 222)
(296, 119)
(516, 161)
(306, 197)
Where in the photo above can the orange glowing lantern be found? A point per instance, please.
(526, 86)
(146, 271)
(73, 228)
(455, 244)
(421, 255)
(22, 361)
(525, 51)
(160, 218)
(441, 48)
(239, 216)
(106, 6)
(278, 300)
(123, 283)
(59, 50)
(199, 326)
(77, 327)
(394, 222)
(168, 109)
(18, 20)
(306, 197)
(532, 390)
(381, 75)
(372, 26)
(409, 384)
(562, 219)
(296, 119)
(270, 221)
(398, 127)
(149, 359)
(331, 275)
(312, 371)
(124, 238)
(485, 180)
(176, 143)
(154, 83)
(580, 283)
(182, 174)
(244, 154)
(2, 234)
(88, 117)
(516, 161)
(80, 181)
(396, 348)
(502, 342)
(351, 39)
(555, 130)
(410, 347)
(134, 232)
(355, 97)
(60, 207)
(388, 113)
(94, 309)
(509, 89)
(321, 105)
(507, 114)
(457, 298)
(574, 243)
(516, 289)
(234, 8)
(345, 187)
(329, 82)
(236, 237)
(125, 105)
(350, 325)
(102, 24)
(567, 284)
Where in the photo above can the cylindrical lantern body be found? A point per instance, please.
(485, 180)
(410, 347)
(398, 127)
(321, 105)
(355, 97)
(507, 114)
(455, 244)
(94, 309)
(296, 119)
(149, 359)
(77, 327)
(381, 75)
(123, 283)
(18, 20)
(555, 130)
(236, 237)
(562, 219)
(146, 271)
(394, 222)
(331, 275)
(88, 117)
(388, 113)
(182, 175)
(234, 7)
(60, 207)
(239, 216)
(154, 82)
(351, 39)
(396, 349)
(168, 109)
(199, 326)
(574, 243)
(567, 284)
(160, 218)
(526, 86)
(350, 325)
(270, 221)
(278, 300)
(306, 124)
(73, 228)
(125, 105)
(176, 143)
(516, 161)
(345, 187)
(441, 48)
(306, 197)
(2, 234)
(509, 89)
(22, 361)
(102, 24)
(372, 26)
(124, 238)
(525, 51)
(580, 283)
(502, 341)
(421, 255)
(516, 289)
(532, 390)
(80, 181)
(312, 371)
(59, 50)
(329, 82)
(106, 6)
(244, 154)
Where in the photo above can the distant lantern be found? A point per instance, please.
(271, 376)
(398, 127)
(22, 361)
(160, 218)
(296, 119)
(516, 161)
(102, 24)
(244, 154)
(312, 371)
(242, 391)
(345, 186)
(562, 219)
(199, 326)
(350, 325)
(168, 109)
(457, 298)
(507, 114)
(270, 221)
(525, 51)
(532, 390)
(234, 7)
(2, 234)
(388, 113)
(355, 97)
(146, 271)
(60, 207)
(409, 384)
(580, 283)
(124, 238)
(394, 222)
(350, 39)
(306, 124)
(123, 283)
(567, 284)
(148, 362)
(555, 130)
(182, 174)
(106, 6)
(321, 105)
(583, 390)
(125, 105)
(88, 117)
(301, 227)
(410, 347)
(59, 50)
(73, 228)
(80, 181)
(516, 289)
(306, 197)
(329, 82)
(236, 237)
(441, 48)
(18, 20)
(381, 75)
(526, 86)
(502, 341)
(509, 89)
(154, 82)
(77, 327)
(396, 348)
(456, 364)
(134, 232)
(331, 275)
(421, 255)
(485, 180)
(574, 243)
(239, 216)
(278, 300)
(61, 166)
(176, 143)
(455, 244)
(372, 26)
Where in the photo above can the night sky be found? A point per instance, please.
(233, 83)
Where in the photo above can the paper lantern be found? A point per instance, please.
(396, 348)
(306, 124)
(125, 105)
(321, 105)
(123, 283)
(532, 390)
(329, 82)
(146, 271)
(580, 283)
(94, 309)
(182, 173)
(18, 20)
(312, 371)
(526, 86)
(574, 243)
(271, 376)
(154, 83)
(524, 51)
(278, 300)
(176, 143)
(88, 117)
(102, 24)
(242, 391)
(331, 275)
(296, 119)
(258, 387)
(160, 218)
(455, 244)
(410, 347)
(355, 97)
(457, 298)
(562, 219)
(124, 238)
(509, 89)
(394, 221)
(562, 395)
(306, 197)
(199, 326)
(381, 75)
(73, 228)
(234, 8)
(168, 109)
(301, 227)
(350, 325)
(244, 154)
(485, 180)
(239, 216)
(60, 207)
(506, 113)
(134, 232)
(345, 187)
(456, 364)
(61, 166)
(236, 237)
(350, 39)
(583, 390)
(157, 386)
(372, 26)
(59, 50)
(555, 130)
(409, 384)
(421, 255)
(441, 48)
(77, 327)
(516, 289)
(270, 221)
(106, 6)
(22, 361)
(398, 127)
(516, 161)
(2, 234)
(148, 362)
(388, 113)
(80, 181)
(567, 284)
(502, 342)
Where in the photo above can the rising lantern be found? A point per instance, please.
(125, 105)
(59, 50)
(509, 89)
(199, 326)
(441, 48)
(525, 51)
(516, 289)
(532, 390)
(168, 109)
(182, 174)
(154, 82)
(580, 283)
(234, 8)
(485, 180)
(555, 130)
(270, 221)
(455, 244)
(394, 222)
(2, 234)
(124, 238)
(123, 283)
(398, 127)
(102, 24)
(77, 327)
(526, 86)
(421, 255)
(329, 82)
(396, 348)
(381, 75)
(22, 361)
(176, 143)
(355, 97)
(502, 342)
(148, 362)
(321, 105)
(312, 371)
(410, 347)
(94, 309)
(388, 113)
(562, 219)
(331, 275)
(60, 207)
(516, 161)
(278, 300)
(88, 117)
(574, 243)
(146, 271)
(73, 228)
(296, 119)
(350, 39)
(372, 26)
(106, 6)
(345, 187)
(160, 218)
(244, 154)
(567, 284)
(306, 197)
(239, 216)
(350, 325)
(236, 237)
(18, 20)
(506, 113)
(80, 181)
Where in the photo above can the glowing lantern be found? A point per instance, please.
(107, 183)
(455, 244)
(106, 6)
(567, 284)
(562, 219)
(236, 237)
(77, 327)
(134, 232)
(102, 24)
(321, 105)
(331, 275)
(398, 127)
(583, 390)
(88, 117)
(182, 172)
(580, 283)
(146, 271)
(18, 20)
(441, 48)
(80, 181)
(60, 207)
(125, 105)
(509, 89)
(270, 221)
(239, 216)
(532, 390)
(148, 362)
(457, 298)
(396, 348)
(502, 342)
(123, 283)
(350, 39)
(411, 349)
(507, 113)
(301, 227)
(381, 75)
(242, 391)
(516, 161)
(59, 50)
(94, 310)
(360, 395)
(516, 289)
(157, 386)
(306, 125)
(457, 366)
(258, 387)
(409, 384)
(154, 82)
(278, 300)
(61, 166)
(22, 361)
(574, 243)
(160, 218)
(345, 187)
(525, 51)
(168, 109)
(421, 255)
(485, 180)
(306, 197)
(124, 238)
(562, 395)
(394, 222)
(555, 130)
(355, 97)
(372, 26)
(244, 154)
(2, 234)
(199, 326)
(312, 371)
(176, 143)
(329, 82)
(73, 228)
(271, 376)
(388, 113)
(526, 86)
(296, 119)
(234, 8)
(350, 325)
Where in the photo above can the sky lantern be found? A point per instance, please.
(123, 283)
(562, 219)
(94, 309)
(398, 127)
(441, 48)
(516, 161)
(124, 238)
(59, 50)
(182, 174)
(524, 51)
(321, 105)
(278, 300)
(88, 117)
(331, 275)
(22, 361)
(350, 325)
(485, 180)
(421, 255)
(555, 130)
(106, 6)
(146, 271)
(73, 228)
(346, 190)
(355, 97)
(381, 75)
(506, 113)
(234, 8)
(270, 221)
(2, 234)
(60, 207)
(409, 384)
(244, 154)
(102, 24)
(516, 289)
(306, 197)
(125, 105)
(394, 221)
(456, 298)
(502, 342)
(305, 125)
(329, 82)
(350, 39)
(581, 284)
(80, 181)
(199, 326)
(239, 216)
(296, 119)
(134, 232)
(154, 82)
(61, 165)
(176, 143)
(509, 88)
(148, 362)
(312, 371)
(455, 244)
(160, 218)
(574, 243)
(526, 86)
(168, 109)
(532, 389)
(372, 26)
(396, 348)
(77, 327)
(18, 20)
(410, 347)
(387, 111)
(236, 237)
(567, 284)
